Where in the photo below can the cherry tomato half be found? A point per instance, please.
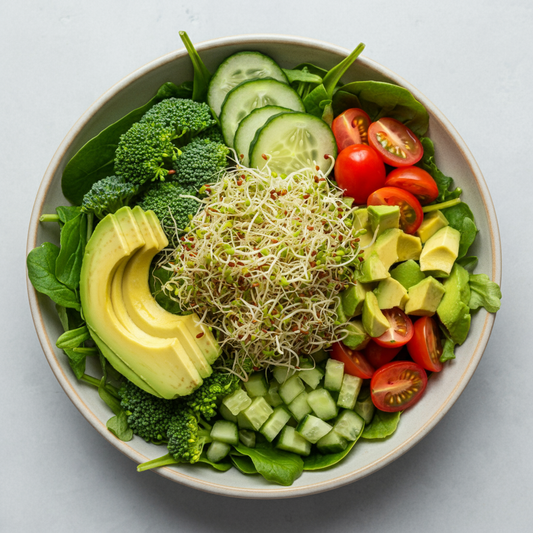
(351, 127)
(400, 331)
(378, 356)
(411, 214)
(397, 386)
(354, 361)
(397, 144)
(416, 181)
(359, 171)
(425, 347)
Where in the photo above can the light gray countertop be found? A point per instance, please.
(474, 471)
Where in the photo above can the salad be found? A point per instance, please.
(265, 263)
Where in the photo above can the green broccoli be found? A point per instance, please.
(200, 162)
(149, 417)
(145, 153)
(186, 117)
(187, 436)
(107, 196)
(174, 212)
(214, 133)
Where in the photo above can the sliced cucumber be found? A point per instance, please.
(248, 127)
(291, 142)
(293, 442)
(251, 95)
(237, 68)
(217, 451)
(225, 431)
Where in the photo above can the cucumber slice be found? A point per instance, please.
(349, 425)
(225, 431)
(217, 451)
(322, 404)
(291, 142)
(256, 385)
(312, 428)
(275, 423)
(251, 95)
(248, 127)
(291, 441)
(237, 68)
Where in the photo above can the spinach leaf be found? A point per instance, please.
(484, 293)
(41, 262)
(383, 425)
(461, 218)
(448, 350)
(111, 401)
(66, 213)
(73, 240)
(302, 76)
(274, 465)
(76, 360)
(73, 338)
(317, 461)
(243, 464)
(468, 263)
(222, 466)
(380, 99)
(444, 183)
(202, 76)
(96, 159)
(118, 425)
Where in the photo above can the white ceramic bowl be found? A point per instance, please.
(452, 156)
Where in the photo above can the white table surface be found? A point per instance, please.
(474, 471)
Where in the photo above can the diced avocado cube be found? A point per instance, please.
(291, 388)
(352, 299)
(409, 247)
(440, 252)
(373, 269)
(361, 223)
(357, 338)
(391, 293)
(374, 321)
(425, 297)
(256, 385)
(300, 407)
(237, 401)
(333, 376)
(407, 273)
(349, 425)
(322, 404)
(383, 217)
(258, 412)
(433, 222)
(386, 247)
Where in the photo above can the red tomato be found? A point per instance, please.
(351, 127)
(425, 347)
(416, 181)
(378, 355)
(397, 386)
(396, 144)
(359, 171)
(411, 214)
(400, 331)
(354, 361)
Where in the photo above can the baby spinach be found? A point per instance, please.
(382, 425)
(243, 464)
(468, 263)
(484, 293)
(317, 461)
(73, 338)
(202, 76)
(96, 158)
(448, 347)
(73, 239)
(461, 218)
(118, 425)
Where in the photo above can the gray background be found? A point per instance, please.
(474, 471)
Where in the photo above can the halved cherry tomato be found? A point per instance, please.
(378, 355)
(411, 214)
(397, 386)
(397, 144)
(351, 127)
(416, 181)
(354, 361)
(400, 331)
(359, 171)
(425, 347)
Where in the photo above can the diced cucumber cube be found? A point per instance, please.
(258, 412)
(272, 396)
(299, 406)
(349, 425)
(322, 404)
(364, 406)
(291, 441)
(225, 431)
(243, 422)
(351, 385)
(313, 429)
(237, 401)
(247, 437)
(290, 389)
(256, 385)
(226, 414)
(282, 373)
(275, 423)
(311, 376)
(217, 451)
(332, 443)
(334, 374)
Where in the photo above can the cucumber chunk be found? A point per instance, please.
(247, 437)
(349, 425)
(272, 396)
(251, 95)
(299, 407)
(275, 423)
(217, 451)
(258, 413)
(291, 388)
(282, 373)
(322, 404)
(312, 428)
(332, 443)
(311, 376)
(291, 441)
(226, 414)
(364, 406)
(225, 431)
(292, 142)
(334, 375)
(351, 385)
(256, 385)
(237, 68)
(237, 401)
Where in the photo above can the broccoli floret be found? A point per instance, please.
(173, 211)
(186, 117)
(212, 134)
(205, 400)
(187, 436)
(149, 417)
(200, 162)
(145, 153)
(107, 196)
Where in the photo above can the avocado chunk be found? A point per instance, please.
(373, 269)
(432, 223)
(453, 309)
(440, 252)
(386, 247)
(409, 247)
(425, 297)
(352, 299)
(407, 273)
(383, 217)
(391, 293)
(361, 222)
(375, 322)
(357, 338)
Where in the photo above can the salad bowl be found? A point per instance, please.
(452, 157)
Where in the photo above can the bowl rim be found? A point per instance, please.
(273, 491)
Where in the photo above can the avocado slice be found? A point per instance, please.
(156, 362)
(374, 321)
(373, 269)
(391, 293)
(409, 247)
(386, 247)
(352, 299)
(383, 217)
(440, 252)
(407, 273)
(361, 222)
(425, 297)
(433, 222)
